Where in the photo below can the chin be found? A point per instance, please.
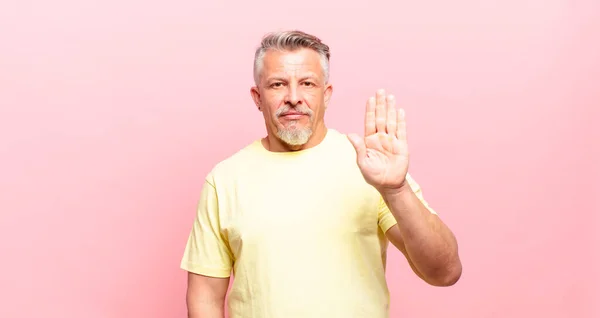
(295, 137)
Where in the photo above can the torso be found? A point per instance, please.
(303, 230)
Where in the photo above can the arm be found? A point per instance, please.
(206, 296)
(383, 157)
(207, 258)
(427, 243)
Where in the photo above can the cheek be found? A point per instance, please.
(273, 101)
(310, 94)
(314, 101)
(267, 109)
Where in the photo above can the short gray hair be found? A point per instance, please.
(290, 41)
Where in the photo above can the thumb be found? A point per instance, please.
(358, 143)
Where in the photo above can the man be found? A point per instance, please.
(303, 216)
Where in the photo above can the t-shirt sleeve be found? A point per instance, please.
(386, 218)
(207, 251)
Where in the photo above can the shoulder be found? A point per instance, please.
(235, 163)
(340, 143)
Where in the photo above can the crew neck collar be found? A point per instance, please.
(328, 135)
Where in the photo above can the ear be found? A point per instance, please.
(255, 96)
(328, 93)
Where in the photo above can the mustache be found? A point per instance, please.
(300, 109)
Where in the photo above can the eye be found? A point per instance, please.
(307, 83)
(277, 84)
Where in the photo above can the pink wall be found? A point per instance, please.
(112, 112)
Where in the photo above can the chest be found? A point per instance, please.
(298, 205)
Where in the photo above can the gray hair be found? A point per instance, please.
(290, 41)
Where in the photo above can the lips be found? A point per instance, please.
(293, 115)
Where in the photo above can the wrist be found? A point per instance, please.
(400, 191)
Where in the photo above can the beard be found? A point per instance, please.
(293, 134)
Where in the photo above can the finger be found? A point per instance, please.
(359, 145)
(370, 117)
(401, 131)
(380, 111)
(392, 118)
(401, 124)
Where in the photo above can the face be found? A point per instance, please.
(292, 94)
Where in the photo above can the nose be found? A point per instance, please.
(292, 97)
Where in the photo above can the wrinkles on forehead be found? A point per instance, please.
(294, 65)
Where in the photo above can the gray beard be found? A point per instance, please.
(294, 136)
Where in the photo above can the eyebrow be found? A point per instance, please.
(301, 78)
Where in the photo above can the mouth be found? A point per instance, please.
(292, 115)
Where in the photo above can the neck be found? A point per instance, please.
(274, 144)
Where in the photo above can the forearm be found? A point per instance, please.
(428, 242)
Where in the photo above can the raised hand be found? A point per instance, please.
(382, 154)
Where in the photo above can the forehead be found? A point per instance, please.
(303, 61)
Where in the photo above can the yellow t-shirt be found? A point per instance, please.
(302, 232)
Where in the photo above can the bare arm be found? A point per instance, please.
(383, 158)
(206, 296)
(428, 244)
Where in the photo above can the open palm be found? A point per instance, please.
(382, 154)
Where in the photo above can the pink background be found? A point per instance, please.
(112, 112)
